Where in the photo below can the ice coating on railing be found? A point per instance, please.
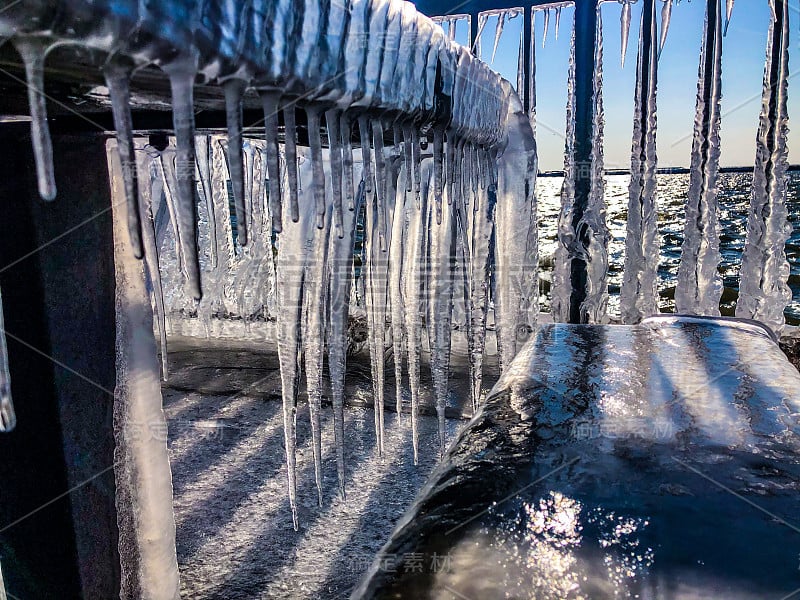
(586, 238)
(763, 288)
(699, 286)
(639, 294)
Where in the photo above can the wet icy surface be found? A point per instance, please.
(655, 461)
(234, 527)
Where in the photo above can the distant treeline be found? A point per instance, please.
(665, 171)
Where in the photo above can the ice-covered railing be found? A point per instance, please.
(447, 163)
(580, 278)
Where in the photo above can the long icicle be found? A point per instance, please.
(557, 24)
(729, 12)
(347, 162)
(314, 309)
(625, 29)
(33, 52)
(234, 91)
(181, 78)
(414, 257)
(290, 147)
(117, 75)
(366, 153)
(699, 286)
(380, 182)
(546, 26)
(153, 181)
(203, 153)
(666, 15)
(639, 294)
(340, 283)
(498, 32)
(333, 124)
(439, 289)
(377, 262)
(397, 264)
(315, 146)
(269, 102)
(438, 170)
(763, 291)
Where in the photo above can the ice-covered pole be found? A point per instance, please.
(699, 283)
(763, 289)
(639, 297)
(580, 288)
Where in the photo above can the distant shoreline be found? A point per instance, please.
(664, 171)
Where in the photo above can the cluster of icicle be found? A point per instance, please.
(457, 173)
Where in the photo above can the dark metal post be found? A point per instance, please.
(585, 39)
(58, 520)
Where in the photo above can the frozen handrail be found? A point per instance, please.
(375, 57)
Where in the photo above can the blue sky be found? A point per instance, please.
(743, 67)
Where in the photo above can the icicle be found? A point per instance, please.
(347, 162)
(290, 148)
(666, 14)
(297, 246)
(699, 285)
(181, 78)
(440, 276)
(546, 26)
(234, 90)
(501, 21)
(203, 153)
(269, 103)
(476, 44)
(332, 121)
(380, 182)
(729, 12)
(366, 153)
(771, 10)
(8, 419)
(33, 52)
(438, 170)
(639, 296)
(407, 155)
(167, 162)
(397, 266)
(376, 266)
(315, 145)
(314, 291)
(153, 180)
(521, 66)
(117, 76)
(481, 235)
(414, 259)
(763, 290)
(625, 28)
(450, 155)
(558, 22)
(340, 282)
(415, 162)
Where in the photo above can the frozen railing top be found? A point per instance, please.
(372, 55)
(367, 59)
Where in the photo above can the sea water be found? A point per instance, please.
(734, 199)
